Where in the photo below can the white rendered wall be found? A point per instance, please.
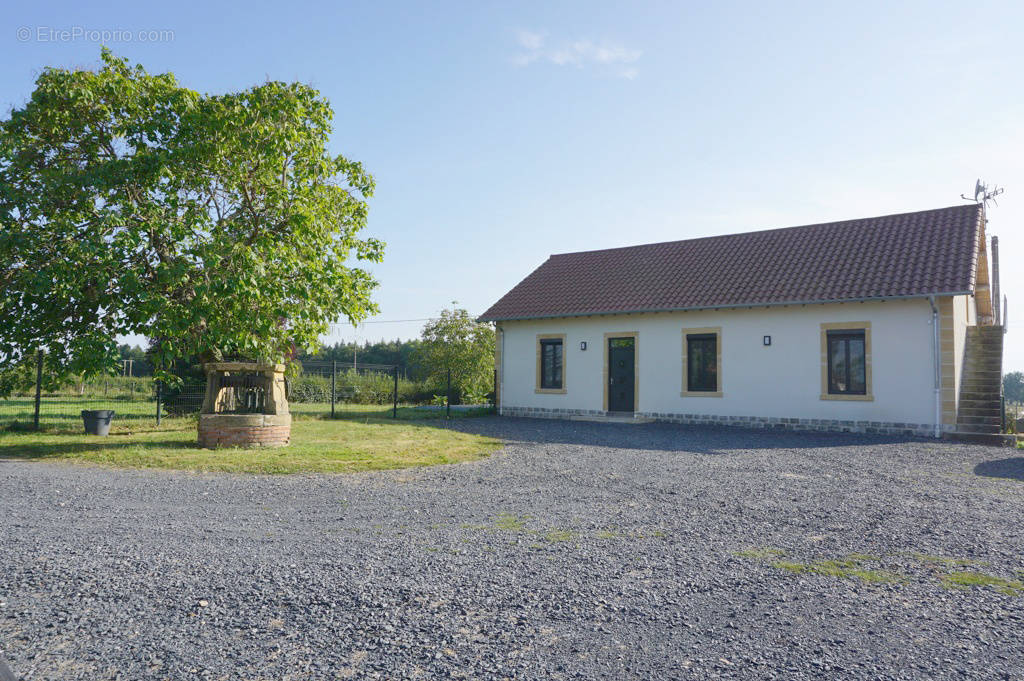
(782, 380)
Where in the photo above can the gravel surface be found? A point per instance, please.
(581, 550)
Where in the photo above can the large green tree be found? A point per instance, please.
(1013, 386)
(215, 225)
(456, 342)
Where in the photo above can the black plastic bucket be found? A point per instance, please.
(97, 421)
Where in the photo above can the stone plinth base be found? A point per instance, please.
(244, 430)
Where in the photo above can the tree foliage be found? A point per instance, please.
(457, 342)
(1013, 386)
(397, 352)
(215, 225)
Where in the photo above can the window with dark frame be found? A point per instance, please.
(551, 364)
(702, 362)
(847, 368)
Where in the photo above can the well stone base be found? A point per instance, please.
(244, 430)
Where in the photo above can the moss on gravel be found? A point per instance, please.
(968, 579)
(843, 568)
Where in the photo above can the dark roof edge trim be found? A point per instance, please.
(733, 306)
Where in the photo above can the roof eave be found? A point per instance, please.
(733, 306)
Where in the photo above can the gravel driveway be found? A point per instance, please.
(581, 550)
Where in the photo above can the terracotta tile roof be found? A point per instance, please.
(905, 255)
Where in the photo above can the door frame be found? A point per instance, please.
(635, 335)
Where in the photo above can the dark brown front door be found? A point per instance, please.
(621, 374)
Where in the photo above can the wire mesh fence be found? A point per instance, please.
(131, 398)
(323, 389)
(343, 389)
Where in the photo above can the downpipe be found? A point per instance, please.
(937, 361)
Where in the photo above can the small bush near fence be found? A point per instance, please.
(356, 388)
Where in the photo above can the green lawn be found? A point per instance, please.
(318, 446)
(63, 413)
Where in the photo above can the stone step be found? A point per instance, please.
(980, 404)
(982, 390)
(994, 439)
(979, 395)
(983, 344)
(980, 411)
(977, 428)
(963, 420)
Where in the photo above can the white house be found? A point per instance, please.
(882, 325)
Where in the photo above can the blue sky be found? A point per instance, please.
(502, 132)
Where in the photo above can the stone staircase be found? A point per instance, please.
(979, 416)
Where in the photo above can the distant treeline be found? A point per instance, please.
(400, 352)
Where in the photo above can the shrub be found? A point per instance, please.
(356, 388)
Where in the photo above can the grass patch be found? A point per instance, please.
(843, 568)
(607, 534)
(943, 561)
(384, 411)
(318, 446)
(967, 579)
(61, 413)
(852, 567)
(555, 536)
(509, 522)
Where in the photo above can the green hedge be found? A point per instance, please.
(357, 388)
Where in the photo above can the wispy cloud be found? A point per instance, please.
(615, 59)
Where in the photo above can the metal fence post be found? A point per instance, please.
(394, 413)
(334, 374)
(159, 395)
(39, 387)
(448, 402)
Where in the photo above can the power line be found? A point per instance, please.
(384, 321)
(388, 321)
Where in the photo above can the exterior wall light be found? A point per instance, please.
(583, 345)
(767, 340)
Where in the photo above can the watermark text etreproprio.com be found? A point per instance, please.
(81, 34)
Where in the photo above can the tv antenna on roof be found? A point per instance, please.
(982, 194)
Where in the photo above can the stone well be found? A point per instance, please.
(245, 406)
